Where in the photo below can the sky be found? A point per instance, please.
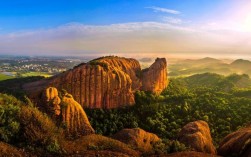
(135, 28)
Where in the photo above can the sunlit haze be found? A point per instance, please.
(171, 28)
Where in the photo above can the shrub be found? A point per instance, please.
(53, 147)
(169, 146)
(37, 128)
(9, 121)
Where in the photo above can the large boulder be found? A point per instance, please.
(74, 117)
(137, 138)
(106, 82)
(197, 136)
(68, 111)
(237, 143)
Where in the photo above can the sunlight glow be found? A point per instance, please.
(247, 23)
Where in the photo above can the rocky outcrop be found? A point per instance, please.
(237, 143)
(74, 117)
(154, 78)
(137, 138)
(101, 83)
(107, 82)
(53, 101)
(197, 136)
(68, 111)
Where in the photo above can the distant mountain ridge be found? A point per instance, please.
(197, 66)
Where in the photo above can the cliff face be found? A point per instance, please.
(107, 82)
(101, 83)
(154, 78)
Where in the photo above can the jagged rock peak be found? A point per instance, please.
(155, 77)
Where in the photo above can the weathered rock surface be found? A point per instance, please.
(107, 82)
(237, 143)
(155, 77)
(70, 112)
(197, 136)
(74, 117)
(137, 138)
(53, 101)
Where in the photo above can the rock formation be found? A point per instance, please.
(237, 143)
(197, 136)
(74, 117)
(137, 138)
(53, 101)
(70, 111)
(155, 77)
(107, 82)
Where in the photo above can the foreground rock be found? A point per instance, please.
(97, 145)
(107, 82)
(137, 138)
(237, 143)
(74, 117)
(197, 136)
(68, 111)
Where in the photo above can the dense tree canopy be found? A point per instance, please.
(221, 101)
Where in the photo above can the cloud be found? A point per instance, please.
(172, 20)
(164, 10)
(129, 39)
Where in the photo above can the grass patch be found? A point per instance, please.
(5, 77)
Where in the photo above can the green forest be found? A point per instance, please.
(223, 102)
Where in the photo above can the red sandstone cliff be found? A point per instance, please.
(154, 78)
(107, 82)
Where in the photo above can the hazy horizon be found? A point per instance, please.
(144, 28)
